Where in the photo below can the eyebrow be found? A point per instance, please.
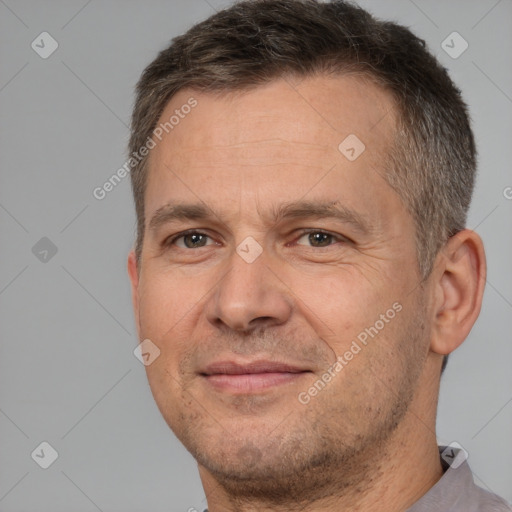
(180, 211)
(321, 210)
(291, 210)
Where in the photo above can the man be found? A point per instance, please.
(302, 176)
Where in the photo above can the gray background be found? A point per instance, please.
(68, 375)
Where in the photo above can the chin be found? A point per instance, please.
(293, 462)
(275, 473)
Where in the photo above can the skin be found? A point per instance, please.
(366, 440)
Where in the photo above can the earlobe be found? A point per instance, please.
(459, 287)
(133, 273)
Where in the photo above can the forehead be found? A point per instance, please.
(282, 139)
(312, 110)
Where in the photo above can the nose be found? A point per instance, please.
(249, 296)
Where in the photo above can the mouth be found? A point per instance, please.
(253, 377)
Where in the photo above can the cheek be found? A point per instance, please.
(164, 311)
(171, 397)
(167, 314)
(165, 303)
(339, 305)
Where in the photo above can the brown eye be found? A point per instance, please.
(192, 240)
(317, 239)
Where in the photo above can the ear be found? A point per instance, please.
(459, 287)
(133, 273)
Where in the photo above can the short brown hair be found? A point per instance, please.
(433, 160)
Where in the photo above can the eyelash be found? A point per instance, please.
(336, 238)
(171, 240)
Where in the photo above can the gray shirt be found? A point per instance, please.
(456, 491)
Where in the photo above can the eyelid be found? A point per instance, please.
(337, 236)
(170, 240)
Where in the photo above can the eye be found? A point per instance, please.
(190, 240)
(316, 238)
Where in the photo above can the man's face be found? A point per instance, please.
(289, 320)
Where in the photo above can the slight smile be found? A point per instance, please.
(251, 377)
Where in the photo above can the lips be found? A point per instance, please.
(232, 368)
(255, 376)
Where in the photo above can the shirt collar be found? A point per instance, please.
(455, 490)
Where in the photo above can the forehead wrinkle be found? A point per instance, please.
(257, 141)
(270, 148)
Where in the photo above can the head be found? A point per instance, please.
(322, 164)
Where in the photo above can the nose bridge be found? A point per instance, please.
(249, 294)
